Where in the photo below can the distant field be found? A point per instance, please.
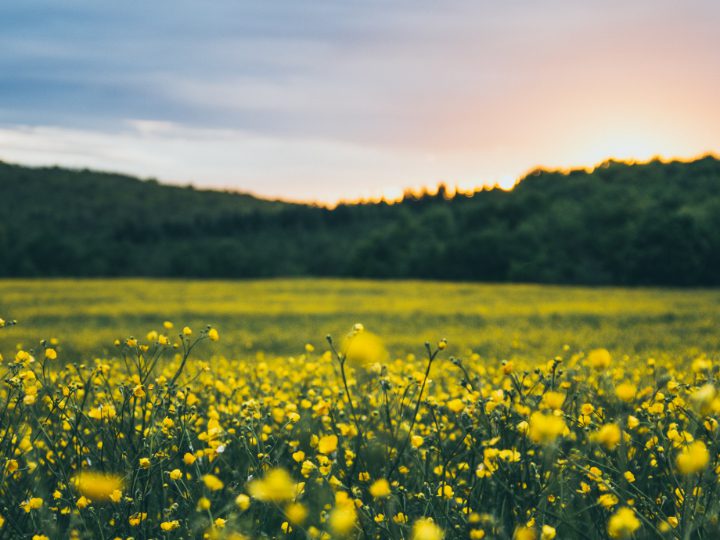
(278, 317)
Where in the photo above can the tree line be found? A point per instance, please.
(628, 224)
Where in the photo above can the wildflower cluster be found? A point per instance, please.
(352, 442)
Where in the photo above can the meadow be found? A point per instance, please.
(209, 409)
(531, 322)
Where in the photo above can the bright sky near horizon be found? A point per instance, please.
(328, 100)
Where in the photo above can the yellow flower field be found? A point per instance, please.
(349, 440)
(278, 317)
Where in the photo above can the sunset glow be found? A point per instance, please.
(360, 102)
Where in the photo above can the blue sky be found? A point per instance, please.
(330, 100)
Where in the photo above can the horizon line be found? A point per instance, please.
(416, 192)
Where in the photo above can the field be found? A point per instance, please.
(549, 412)
(530, 322)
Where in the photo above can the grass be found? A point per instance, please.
(256, 434)
(527, 322)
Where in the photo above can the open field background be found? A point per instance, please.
(527, 322)
(230, 443)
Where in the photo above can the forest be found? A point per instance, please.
(656, 223)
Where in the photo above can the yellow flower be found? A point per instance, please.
(175, 474)
(276, 486)
(623, 523)
(552, 400)
(144, 463)
(607, 500)
(425, 529)
(327, 444)
(170, 525)
(455, 405)
(609, 436)
(693, 458)
(82, 502)
(296, 513)
(626, 391)
(97, 486)
(701, 364)
(630, 477)
(33, 503)
(342, 520)
(587, 409)
(400, 518)
(187, 331)
(524, 533)
(116, 496)
(363, 348)
(102, 412)
(445, 491)
(135, 519)
(212, 482)
(213, 334)
(242, 501)
(545, 428)
(599, 359)
(307, 468)
(188, 458)
(548, 533)
(51, 354)
(702, 399)
(380, 489)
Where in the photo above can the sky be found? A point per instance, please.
(329, 100)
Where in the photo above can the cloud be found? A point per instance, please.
(386, 82)
(296, 169)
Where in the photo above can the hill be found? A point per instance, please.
(650, 224)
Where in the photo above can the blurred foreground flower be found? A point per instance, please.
(545, 428)
(97, 486)
(425, 529)
(693, 458)
(599, 359)
(363, 348)
(623, 523)
(276, 486)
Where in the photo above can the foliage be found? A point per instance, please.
(153, 442)
(655, 223)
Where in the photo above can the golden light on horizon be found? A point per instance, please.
(452, 97)
(632, 152)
